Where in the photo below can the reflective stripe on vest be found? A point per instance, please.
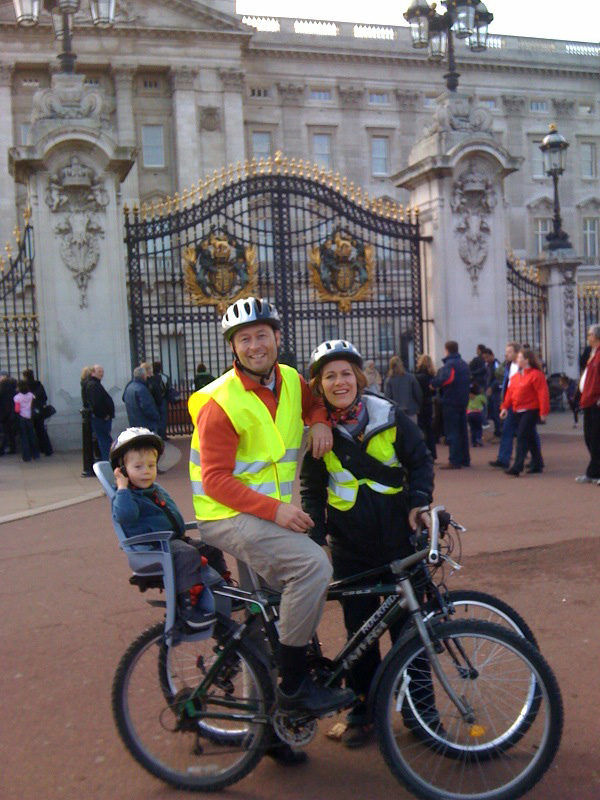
(268, 450)
(342, 489)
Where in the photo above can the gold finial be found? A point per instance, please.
(285, 165)
(261, 166)
(17, 234)
(230, 174)
(222, 174)
(417, 211)
(366, 199)
(27, 214)
(136, 210)
(144, 211)
(8, 249)
(344, 185)
(254, 165)
(269, 165)
(301, 168)
(278, 157)
(239, 171)
(176, 201)
(337, 181)
(126, 209)
(351, 191)
(293, 167)
(401, 212)
(2, 262)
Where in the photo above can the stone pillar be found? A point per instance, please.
(186, 127)
(233, 115)
(294, 143)
(353, 154)
(562, 316)
(455, 177)
(73, 170)
(7, 186)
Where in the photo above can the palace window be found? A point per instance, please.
(261, 144)
(587, 154)
(590, 238)
(322, 150)
(542, 226)
(153, 149)
(323, 95)
(259, 91)
(379, 98)
(539, 106)
(380, 155)
(537, 159)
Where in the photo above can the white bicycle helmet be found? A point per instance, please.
(134, 437)
(246, 311)
(332, 350)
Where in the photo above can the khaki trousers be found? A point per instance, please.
(288, 562)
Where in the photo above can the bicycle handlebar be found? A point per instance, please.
(440, 520)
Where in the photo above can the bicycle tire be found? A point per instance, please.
(488, 608)
(147, 722)
(480, 759)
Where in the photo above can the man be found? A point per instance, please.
(454, 380)
(8, 420)
(589, 386)
(243, 459)
(103, 410)
(159, 385)
(492, 388)
(509, 426)
(477, 366)
(139, 403)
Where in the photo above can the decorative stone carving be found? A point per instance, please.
(541, 205)
(77, 195)
(183, 78)
(456, 112)
(564, 107)
(351, 96)
(569, 276)
(513, 104)
(291, 93)
(124, 77)
(407, 101)
(590, 204)
(210, 119)
(232, 80)
(473, 200)
(68, 98)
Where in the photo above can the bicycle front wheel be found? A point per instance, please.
(219, 747)
(504, 749)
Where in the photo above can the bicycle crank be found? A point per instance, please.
(295, 731)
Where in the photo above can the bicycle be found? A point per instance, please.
(462, 710)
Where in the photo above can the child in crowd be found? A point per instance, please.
(475, 408)
(571, 390)
(24, 400)
(141, 506)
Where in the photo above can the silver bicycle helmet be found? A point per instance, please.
(246, 311)
(332, 350)
(134, 438)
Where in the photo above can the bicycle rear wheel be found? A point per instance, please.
(501, 753)
(190, 758)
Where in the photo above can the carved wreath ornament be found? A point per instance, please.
(76, 195)
(473, 200)
(342, 269)
(220, 271)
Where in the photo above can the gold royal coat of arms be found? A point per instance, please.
(220, 270)
(342, 269)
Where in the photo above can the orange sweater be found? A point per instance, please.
(526, 391)
(219, 442)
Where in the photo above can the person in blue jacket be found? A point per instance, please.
(142, 411)
(453, 380)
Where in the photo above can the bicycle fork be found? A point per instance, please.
(412, 603)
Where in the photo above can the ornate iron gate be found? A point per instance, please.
(19, 332)
(527, 306)
(334, 262)
(589, 310)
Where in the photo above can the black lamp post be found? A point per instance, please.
(62, 12)
(465, 19)
(554, 149)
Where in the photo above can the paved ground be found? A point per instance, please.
(69, 613)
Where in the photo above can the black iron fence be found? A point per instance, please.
(589, 310)
(335, 262)
(19, 330)
(527, 306)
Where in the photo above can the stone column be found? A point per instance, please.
(562, 315)
(292, 96)
(353, 154)
(7, 186)
(455, 177)
(233, 115)
(124, 78)
(73, 170)
(186, 126)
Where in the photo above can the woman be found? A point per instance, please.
(39, 417)
(367, 507)
(373, 377)
(425, 371)
(528, 397)
(403, 388)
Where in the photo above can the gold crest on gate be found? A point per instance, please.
(342, 269)
(220, 271)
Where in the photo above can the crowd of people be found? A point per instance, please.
(24, 409)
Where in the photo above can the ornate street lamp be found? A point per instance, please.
(554, 150)
(465, 19)
(27, 13)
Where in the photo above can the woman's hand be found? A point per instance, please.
(503, 414)
(122, 480)
(320, 439)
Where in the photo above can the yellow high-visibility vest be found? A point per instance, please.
(267, 453)
(342, 489)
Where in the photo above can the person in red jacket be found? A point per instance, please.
(528, 397)
(589, 385)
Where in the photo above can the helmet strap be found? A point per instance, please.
(263, 376)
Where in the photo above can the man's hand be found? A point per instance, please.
(503, 414)
(320, 439)
(122, 481)
(293, 518)
(413, 517)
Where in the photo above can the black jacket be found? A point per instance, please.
(99, 399)
(376, 527)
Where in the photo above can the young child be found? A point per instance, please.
(142, 506)
(24, 400)
(571, 390)
(475, 407)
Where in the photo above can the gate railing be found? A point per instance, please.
(19, 330)
(527, 306)
(588, 295)
(335, 261)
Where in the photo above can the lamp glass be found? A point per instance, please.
(27, 12)
(68, 6)
(103, 12)
(57, 24)
(419, 28)
(438, 45)
(478, 39)
(464, 21)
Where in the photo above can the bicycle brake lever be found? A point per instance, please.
(455, 565)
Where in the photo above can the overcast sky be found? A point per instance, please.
(575, 20)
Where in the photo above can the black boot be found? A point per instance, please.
(298, 692)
